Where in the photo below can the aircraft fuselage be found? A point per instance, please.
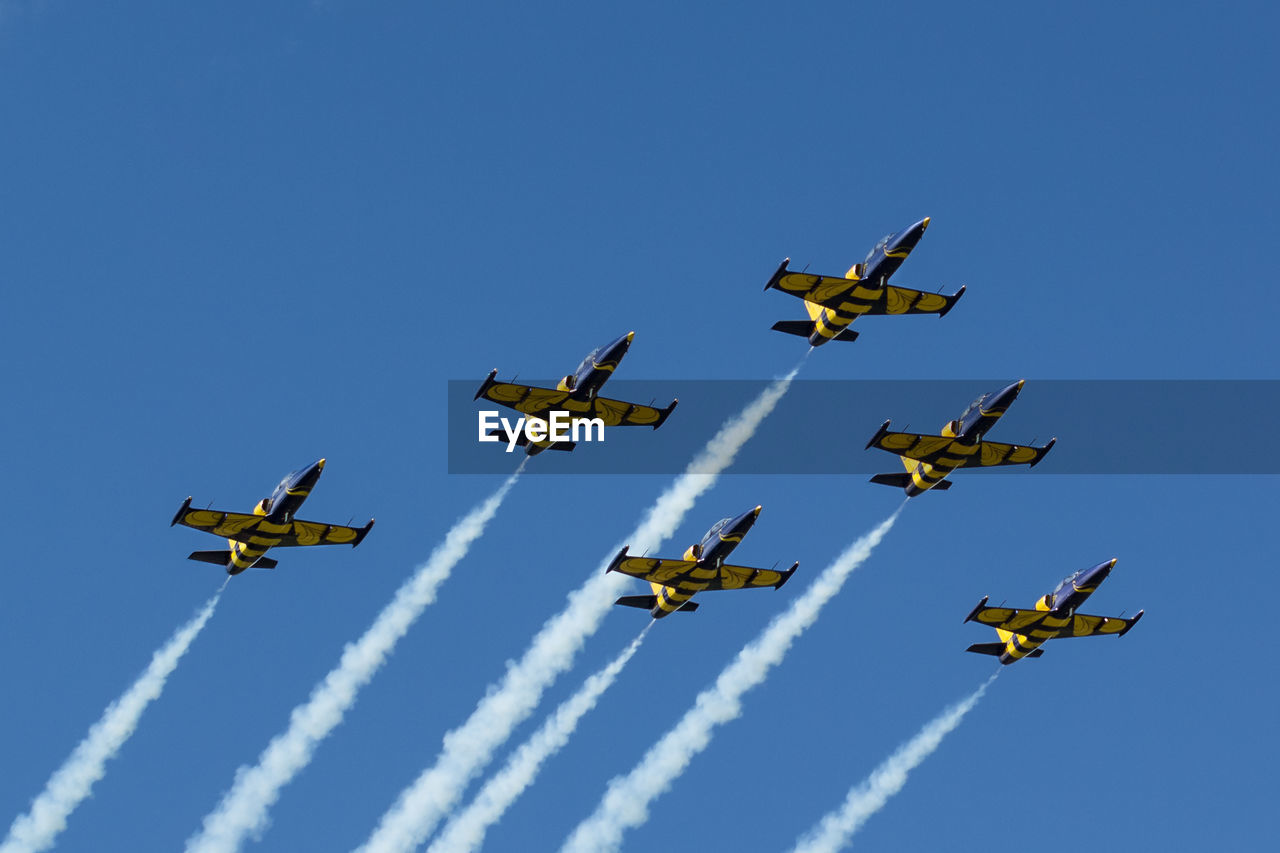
(710, 554)
(586, 381)
(981, 415)
(1061, 605)
(873, 274)
(279, 510)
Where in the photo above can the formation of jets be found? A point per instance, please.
(833, 304)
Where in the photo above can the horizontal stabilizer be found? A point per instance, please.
(218, 558)
(804, 329)
(800, 328)
(997, 649)
(648, 602)
(223, 558)
(901, 481)
(522, 440)
(898, 481)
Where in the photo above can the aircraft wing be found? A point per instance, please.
(939, 449)
(618, 413)
(652, 569)
(1010, 619)
(852, 296)
(745, 577)
(258, 530)
(540, 402)
(303, 533)
(996, 453)
(1027, 622)
(528, 399)
(672, 572)
(832, 291)
(922, 448)
(240, 526)
(903, 300)
(1083, 625)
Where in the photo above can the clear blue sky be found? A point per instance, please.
(237, 240)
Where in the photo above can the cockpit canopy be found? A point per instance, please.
(290, 479)
(881, 246)
(1065, 588)
(587, 363)
(973, 407)
(714, 532)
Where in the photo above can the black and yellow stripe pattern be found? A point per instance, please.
(674, 582)
(250, 536)
(834, 303)
(540, 402)
(1024, 631)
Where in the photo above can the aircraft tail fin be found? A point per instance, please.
(901, 481)
(997, 649)
(804, 328)
(648, 602)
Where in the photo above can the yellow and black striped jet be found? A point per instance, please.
(834, 302)
(576, 394)
(702, 567)
(930, 458)
(270, 525)
(1022, 632)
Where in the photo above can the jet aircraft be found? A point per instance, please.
(271, 524)
(930, 458)
(1022, 632)
(702, 567)
(834, 302)
(576, 394)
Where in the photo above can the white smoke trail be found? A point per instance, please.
(626, 803)
(73, 781)
(244, 808)
(469, 747)
(466, 830)
(834, 831)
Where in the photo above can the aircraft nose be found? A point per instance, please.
(615, 349)
(742, 523)
(1096, 575)
(1008, 394)
(307, 478)
(911, 235)
(621, 343)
